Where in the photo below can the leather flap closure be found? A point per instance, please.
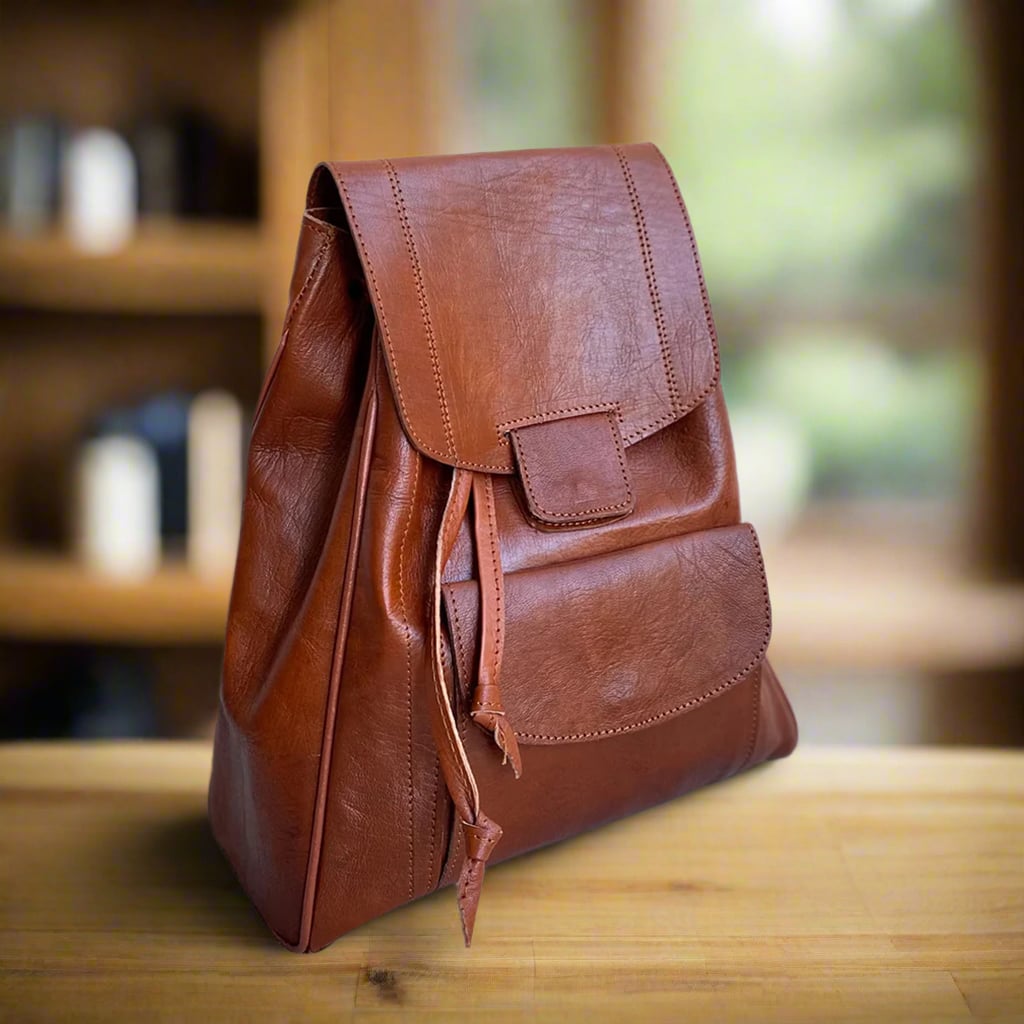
(514, 288)
(622, 641)
(573, 470)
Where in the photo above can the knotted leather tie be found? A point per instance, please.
(480, 834)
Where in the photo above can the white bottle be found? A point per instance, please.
(100, 190)
(214, 482)
(119, 506)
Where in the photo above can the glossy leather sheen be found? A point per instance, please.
(523, 339)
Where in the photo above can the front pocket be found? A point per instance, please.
(624, 641)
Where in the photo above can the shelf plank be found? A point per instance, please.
(167, 268)
(49, 598)
(910, 321)
(859, 606)
(855, 603)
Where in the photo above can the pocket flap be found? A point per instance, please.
(516, 288)
(605, 645)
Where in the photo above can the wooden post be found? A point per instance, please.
(999, 30)
(634, 40)
(344, 80)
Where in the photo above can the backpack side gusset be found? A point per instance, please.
(281, 632)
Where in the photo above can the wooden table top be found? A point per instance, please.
(868, 885)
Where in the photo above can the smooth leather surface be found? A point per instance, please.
(522, 289)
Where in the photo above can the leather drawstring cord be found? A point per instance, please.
(486, 708)
(480, 834)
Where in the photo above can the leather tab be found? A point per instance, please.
(573, 470)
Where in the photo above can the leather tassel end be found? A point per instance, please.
(481, 839)
(471, 880)
(504, 736)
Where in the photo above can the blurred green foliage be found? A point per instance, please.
(826, 149)
(526, 65)
(833, 161)
(878, 421)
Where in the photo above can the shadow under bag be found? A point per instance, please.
(492, 586)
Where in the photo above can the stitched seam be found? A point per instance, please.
(647, 429)
(408, 671)
(317, 260)
(652, 281)
(555, 528)
(709, 320)
(554, 414)
(755, 718)
(389, 341)
(499, 637)
(694, 701)
(634, 435)
(627, 502)
(320, 227)
(421, 296)
(457, 630)
(434, 867)
(646, 721)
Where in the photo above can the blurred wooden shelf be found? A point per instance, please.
(169, 267)
(836, 606)
(858, 603)
(50, 598)
(915, 321)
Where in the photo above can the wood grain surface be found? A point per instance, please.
(857, 885)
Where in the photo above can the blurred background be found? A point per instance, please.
(853, 171)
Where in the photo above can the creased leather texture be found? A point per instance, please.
(492, 586)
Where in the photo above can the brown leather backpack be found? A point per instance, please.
(491, 555)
